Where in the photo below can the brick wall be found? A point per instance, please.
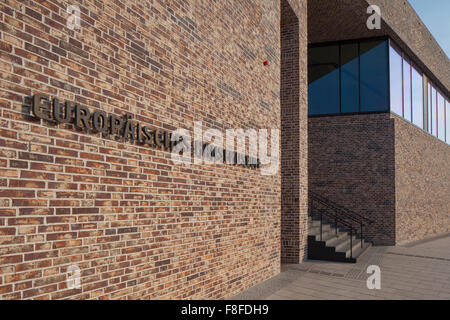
(137, 225)
(336, 20)
(351, 162)
(415, 39)
(294, 143)
(422, 179)
(385, 168)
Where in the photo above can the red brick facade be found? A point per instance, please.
(384, 168)
(336, 20)
(379, 165)
(137, 225)
(422, 179)
(294, 138)
(351, 162)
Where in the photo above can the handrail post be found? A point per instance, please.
(340, 214)
(361, 235)
(351, 241)
(310, 206)
(335, 223)
(320, 225)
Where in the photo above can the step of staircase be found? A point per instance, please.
(333, 244)
(358, 250)
(328, 233)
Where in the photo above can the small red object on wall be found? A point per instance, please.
(266, 63)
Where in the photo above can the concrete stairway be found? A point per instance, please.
(334, 245)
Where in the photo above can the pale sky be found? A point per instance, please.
(436, 16)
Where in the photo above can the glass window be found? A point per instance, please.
(406, 90)
(433, 112)
(430, 103)
(323, 75)
(441, 116)
(374, 75)
(395, 73)
(349, 78)
(417, 98)
(447, 122)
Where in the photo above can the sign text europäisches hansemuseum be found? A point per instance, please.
(109, 124)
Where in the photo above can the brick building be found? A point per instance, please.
(92, 205)
(379, 142)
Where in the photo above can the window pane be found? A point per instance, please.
(441, 117)
(433, 112)
(417, 98)
(323, 75)
(349, 78)
(447, 116)
(406, 90)
(395, 65)
(430, 103)
(374, 75)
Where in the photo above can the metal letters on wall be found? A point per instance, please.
(111, 125)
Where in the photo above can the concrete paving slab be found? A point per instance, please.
(414, 271)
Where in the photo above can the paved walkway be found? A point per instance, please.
(418, 271)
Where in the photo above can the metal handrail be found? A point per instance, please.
(336, 214)
(345, 211)
(351, 214)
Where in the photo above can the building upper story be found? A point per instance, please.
(398, 68)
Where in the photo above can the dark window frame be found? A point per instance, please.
(340, 76)
(404, 54)
(413, 64)
(329, 44)
(358, 42)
